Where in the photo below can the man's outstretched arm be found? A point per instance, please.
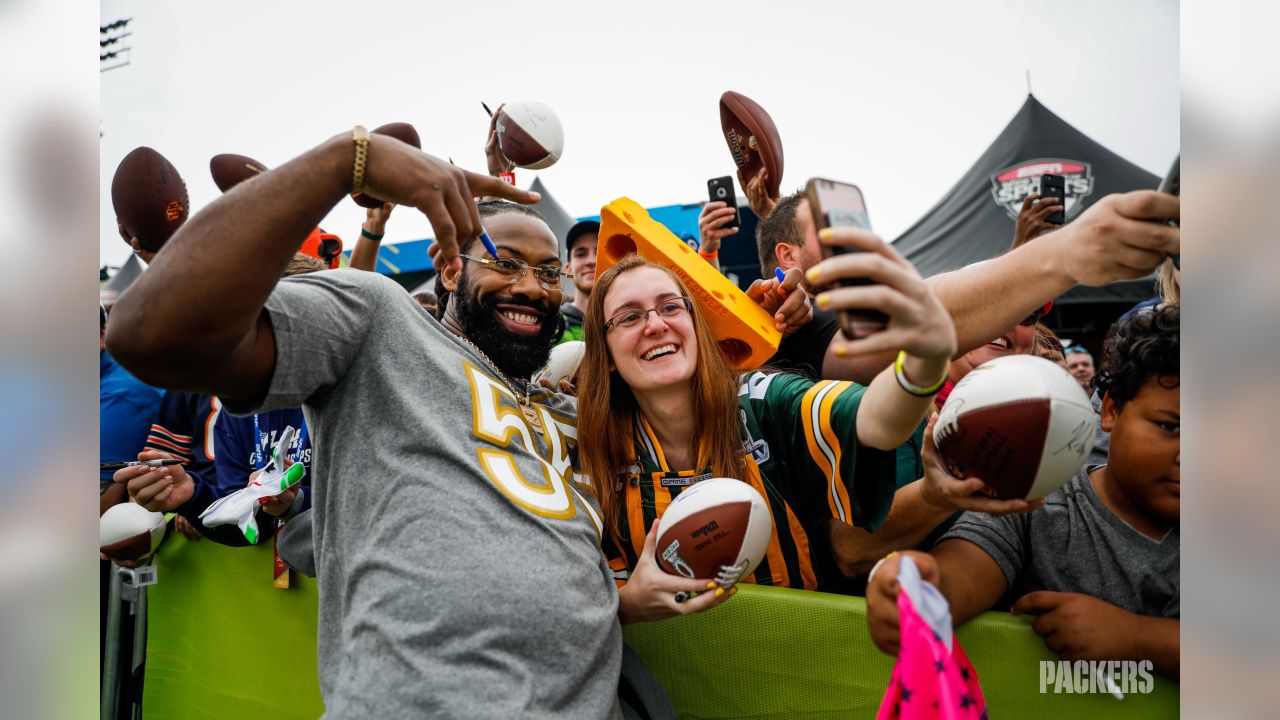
(195, 319)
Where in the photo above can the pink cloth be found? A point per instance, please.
(930, 681)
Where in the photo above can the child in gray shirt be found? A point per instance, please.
(1098, 564)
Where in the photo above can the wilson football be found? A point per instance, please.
(1019, 423)
(149, 198)
(753, 140)
(530, 134)
(717, 529)
(129, 531)
(229, 170)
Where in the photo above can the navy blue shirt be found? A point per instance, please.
(126, 407)
(242, 448)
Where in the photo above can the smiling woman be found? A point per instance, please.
(660, 409)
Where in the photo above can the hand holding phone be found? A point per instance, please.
(837, 204)
(721, 190)
(1054, 186)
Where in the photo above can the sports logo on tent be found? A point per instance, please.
(1011, 185)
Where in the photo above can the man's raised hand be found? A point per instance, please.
(445, 193)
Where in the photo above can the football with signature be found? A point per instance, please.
(717, 529)
(129, 531)
(1019, 423)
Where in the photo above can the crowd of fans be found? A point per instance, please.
(434, 394)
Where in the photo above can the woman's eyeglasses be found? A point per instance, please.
(548, 275)
(633, 317)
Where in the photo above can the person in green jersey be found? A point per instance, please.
(661, 409)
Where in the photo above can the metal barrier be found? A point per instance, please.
(126, 598)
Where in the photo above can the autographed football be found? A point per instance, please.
(563, 363)
(129, 531)
(717, 529)
(753, 140)
(405, 133)
(530, 134)
(149, 198)
(1019, 423)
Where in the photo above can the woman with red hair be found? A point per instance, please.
(660, 409)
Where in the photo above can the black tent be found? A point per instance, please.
(974, 220)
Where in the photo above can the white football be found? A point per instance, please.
(717, 529)
(530, 134)
(1019, 423)
(129, 531)
(564, 362)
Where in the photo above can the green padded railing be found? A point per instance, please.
(223, 643)
(797, 655)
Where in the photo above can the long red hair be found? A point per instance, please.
(607, 407)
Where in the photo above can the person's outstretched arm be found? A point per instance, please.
(1120, 237)
(195, 319)
(918, 326)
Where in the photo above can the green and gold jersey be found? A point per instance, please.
(800, 442)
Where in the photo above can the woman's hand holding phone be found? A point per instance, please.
(918, 322)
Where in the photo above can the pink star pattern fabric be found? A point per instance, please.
(933, 678)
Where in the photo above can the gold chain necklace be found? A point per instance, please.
(522, 398)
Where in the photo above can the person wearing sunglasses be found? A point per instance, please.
(660, 409)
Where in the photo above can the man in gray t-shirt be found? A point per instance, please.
(457, 577)
(1075, 544)
(458, 556)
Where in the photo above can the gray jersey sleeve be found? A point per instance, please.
(320, 321)
(1003, 538)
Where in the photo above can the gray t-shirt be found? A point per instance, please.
(1075, 544)
(458, 555)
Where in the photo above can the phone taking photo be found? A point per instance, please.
(721, 189)
(839, 204)
(1054, 186)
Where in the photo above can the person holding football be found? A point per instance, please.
(660, 409)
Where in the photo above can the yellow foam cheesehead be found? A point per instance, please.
(746, 332)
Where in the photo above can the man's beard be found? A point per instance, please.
(517, 356)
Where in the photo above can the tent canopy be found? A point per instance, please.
(975, 219)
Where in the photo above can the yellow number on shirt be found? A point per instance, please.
(502, 425)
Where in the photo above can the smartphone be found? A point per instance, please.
(838, 204)
(721, 189)
(1055, 186)
(1172, 184)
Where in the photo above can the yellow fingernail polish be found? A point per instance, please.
(841, 351)
(733, 591)
(719, 592)
(812, 274)
(711, 586)
(823, 300)
(826, 233)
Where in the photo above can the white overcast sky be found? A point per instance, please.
(899, 98)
